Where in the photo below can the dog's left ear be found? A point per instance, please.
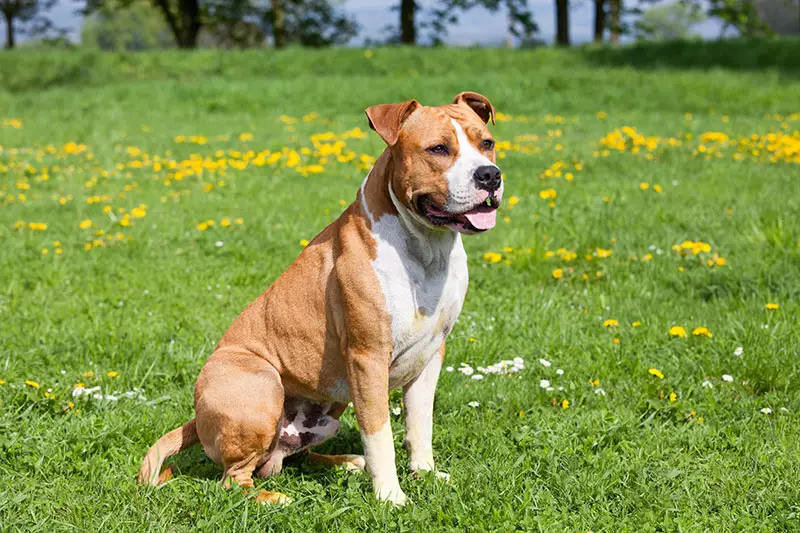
(386, 119)
(479, 103)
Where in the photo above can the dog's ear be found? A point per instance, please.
(386, 119)
(478, 103)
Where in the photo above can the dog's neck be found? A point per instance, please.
(431, 247)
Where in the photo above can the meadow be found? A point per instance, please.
(627, 357)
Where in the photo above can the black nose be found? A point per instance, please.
(487, 178)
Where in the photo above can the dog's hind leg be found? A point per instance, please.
(238, 406)
(350, 462)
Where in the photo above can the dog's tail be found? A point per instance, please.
(168, 445)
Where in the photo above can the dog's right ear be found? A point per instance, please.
(386, 119)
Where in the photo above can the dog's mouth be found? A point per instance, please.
(482, 217)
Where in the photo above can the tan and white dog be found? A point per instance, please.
(365, 308)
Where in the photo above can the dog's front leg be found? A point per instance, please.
(369, 390)
(418, 403)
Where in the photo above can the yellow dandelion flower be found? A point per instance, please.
(611, 323)
(636, 323)
(615, 340)
(225, 222)
(492, 257)
(548, 194)
(473, 339)
(45, 251)
(565, 404)
(88, 374)
(2, 382)
(701, 331)
(673, 396)
(657, 188)
(677, 331)
(644, 186)
(138, 212)
(31, 383)
(86, 224)
(772, 306)
(656, 372)
(112, 374)
(239, 220)
(303, 242)
(513, 201)
(558, 273)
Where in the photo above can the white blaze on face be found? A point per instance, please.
(463, 192)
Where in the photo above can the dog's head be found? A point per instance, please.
(443, 170)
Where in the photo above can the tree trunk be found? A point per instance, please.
(278, 24)
(599, 20)
(408, 32)
(186, 27)
(616, 9)
(9, 31)
(190, 22)
(562, 22)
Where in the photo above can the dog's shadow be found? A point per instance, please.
(194, 463)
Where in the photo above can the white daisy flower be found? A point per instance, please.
(396, 411)
(560, 372)
(544, 362)
(473, 404)
(449, 368)
(467, 370)
(708, 385)
(477, 377)
(738, 351)
(727, 377)
(599, 391)
(544, 383)
(766, 410)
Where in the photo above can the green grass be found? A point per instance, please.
(152, 305)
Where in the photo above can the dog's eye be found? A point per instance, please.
(439, 149)
(487, 144)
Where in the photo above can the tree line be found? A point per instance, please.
(318, 23)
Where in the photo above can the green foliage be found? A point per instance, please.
(136, 27)
(152, 305)
(663, 22)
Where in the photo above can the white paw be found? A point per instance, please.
(355, 464)
(395, 495)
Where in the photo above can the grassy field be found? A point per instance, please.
(647, 266)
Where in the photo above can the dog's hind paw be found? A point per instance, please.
(272, 498)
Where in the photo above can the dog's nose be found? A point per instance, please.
(487, 178)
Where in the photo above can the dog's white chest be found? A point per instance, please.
(423, 301)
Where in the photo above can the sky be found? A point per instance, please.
(476, 26)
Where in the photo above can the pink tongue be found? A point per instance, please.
(482, 220)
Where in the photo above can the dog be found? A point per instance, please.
(365, 308)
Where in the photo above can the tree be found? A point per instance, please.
(739, 14)
(278, 24)
(663, 22)
(599, 20)
(25, 11)
(245, 23)
(184, 18)
(137, 27)
(562, 22)
(445, 13)
(314, 23)
(616, 20)
(408, 29)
